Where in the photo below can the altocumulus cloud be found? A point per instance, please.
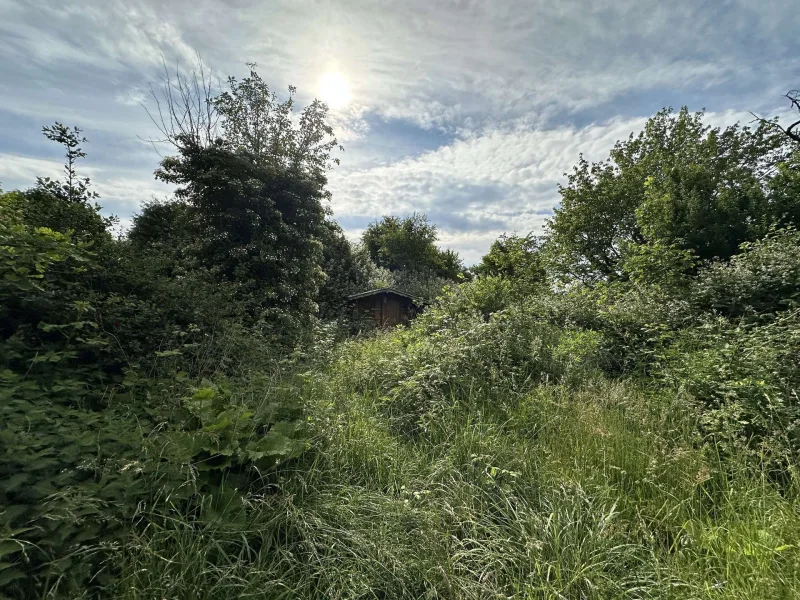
(469, 111)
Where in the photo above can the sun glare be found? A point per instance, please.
(333, 90)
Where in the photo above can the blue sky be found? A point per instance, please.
(469, 111)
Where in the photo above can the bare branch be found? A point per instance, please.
(184, 112)
(794, 98)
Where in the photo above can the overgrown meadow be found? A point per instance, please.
(607, 411)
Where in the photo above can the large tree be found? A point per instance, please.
(517, 258)
(409, 244)
(678, 182)
(253, 180)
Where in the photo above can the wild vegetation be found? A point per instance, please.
(606, 411)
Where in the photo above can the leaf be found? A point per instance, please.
(9, 575)
(223, 423)
(204, 394)
(9, 547)
(272, 445)
(168, 353)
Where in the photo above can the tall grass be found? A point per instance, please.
(586, 489)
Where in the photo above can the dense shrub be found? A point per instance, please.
(763, 279)
(100, 416)
(445, 356)
(746, 377)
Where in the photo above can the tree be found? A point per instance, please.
(73, 188)
(450, 265)
(253, 180)
(159, 224)
(65, 206)
(246, 118)
(784, 191)
(409, 244)
(255, 122)
(348, 270)
(678, 182)
(516, 258)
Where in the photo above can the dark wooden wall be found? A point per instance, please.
(387, 310)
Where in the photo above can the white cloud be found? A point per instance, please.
(131, 97)
(435, 64)
(518, 170)
(510, 87)
(21, 171)
(480, 187)
(121, 192)
(348, 123)
(101, 34)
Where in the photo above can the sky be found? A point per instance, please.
(470, 112)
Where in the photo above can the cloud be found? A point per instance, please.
(22, 171)
(131, 97)
(470, 111)
(121, 192)
(108, 34)
(479, 187)
(499, 176)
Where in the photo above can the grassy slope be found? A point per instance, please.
(599, 489)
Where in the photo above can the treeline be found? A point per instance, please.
(179, 370)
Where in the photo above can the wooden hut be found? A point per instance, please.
(387, 307)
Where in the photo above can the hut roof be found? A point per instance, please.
(386, 290)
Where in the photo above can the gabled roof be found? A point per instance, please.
(386, 290)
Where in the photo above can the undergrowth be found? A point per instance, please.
(530, 488)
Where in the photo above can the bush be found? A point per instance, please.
(99, 417)
(745, 378)
(762, 280)
(416, 372)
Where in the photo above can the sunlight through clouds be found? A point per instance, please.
(334, 90)
(470, 111)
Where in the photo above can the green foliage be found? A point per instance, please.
(409, 244)
(177, 423)
(485, 295)
(784, 189)
(40, 208)
(253, 201)
(516, 258)
(678, 182)
(762, 280)
(159, 225)
(746, 378)
(255, 227)
(658, 265)
(64, 206)
(46, 302)
(98, 357)
(348, 270)
(73, 189)
(255, 123)
(594, 491)
(62, 483)
(449, 353)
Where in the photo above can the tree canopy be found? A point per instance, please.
(515, 257)
(409, 244)
(252, 178)
(678, 181)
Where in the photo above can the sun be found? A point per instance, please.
(333, 90)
